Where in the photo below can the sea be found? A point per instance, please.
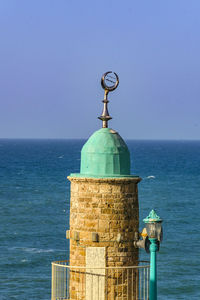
(35, 201)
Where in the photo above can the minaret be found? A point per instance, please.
(104, 212)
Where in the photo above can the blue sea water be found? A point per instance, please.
(34, 212)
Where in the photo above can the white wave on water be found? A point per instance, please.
(151, 177)
(24, 260)
(34, 250)
(61, 156)
(37, 250)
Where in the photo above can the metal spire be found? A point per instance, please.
(109, 82)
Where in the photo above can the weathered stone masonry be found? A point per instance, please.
(108, 207)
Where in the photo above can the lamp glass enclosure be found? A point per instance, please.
(154, 230)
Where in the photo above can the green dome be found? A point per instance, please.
(105, 154)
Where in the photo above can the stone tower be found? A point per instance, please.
(104, 216)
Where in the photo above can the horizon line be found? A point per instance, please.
(127, 139)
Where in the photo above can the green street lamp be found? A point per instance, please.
(154, 232)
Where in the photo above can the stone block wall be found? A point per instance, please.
(104, 213)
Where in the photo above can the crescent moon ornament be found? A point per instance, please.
(109, 82)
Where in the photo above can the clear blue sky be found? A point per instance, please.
(53, 53)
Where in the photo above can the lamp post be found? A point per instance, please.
(154, 232)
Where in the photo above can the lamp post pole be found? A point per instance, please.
(153, 269)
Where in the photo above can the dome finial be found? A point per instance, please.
(109, 82)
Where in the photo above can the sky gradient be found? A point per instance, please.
(53, 54)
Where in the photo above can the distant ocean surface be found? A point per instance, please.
(34, 212)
